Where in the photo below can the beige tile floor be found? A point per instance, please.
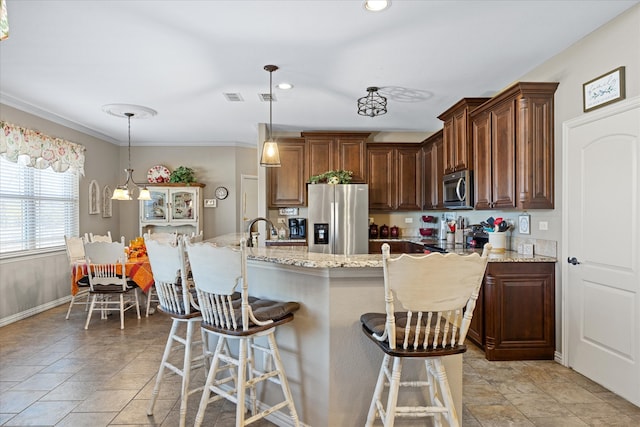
(54, 373)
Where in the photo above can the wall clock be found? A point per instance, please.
(221, 193)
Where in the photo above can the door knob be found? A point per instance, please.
(573, 261)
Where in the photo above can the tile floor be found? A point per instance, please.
(45, 380)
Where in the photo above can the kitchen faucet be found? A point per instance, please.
(253, 221)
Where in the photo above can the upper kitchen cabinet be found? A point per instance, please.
(287, 183)
(172, 208)
(457, 149)
(337, 150)
(394, 176)
(512, 137)
(432, 172)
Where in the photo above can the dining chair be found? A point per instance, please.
(162, 237)
(108, 279)
(100, 237)
(219, 274)
(76, 256)
(176, 295)
(429, 301)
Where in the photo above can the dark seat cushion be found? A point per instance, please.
(374, 323)
(263, 310)
(114, 288)
(84, 281)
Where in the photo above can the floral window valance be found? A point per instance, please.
(4, 20)
(40, 151)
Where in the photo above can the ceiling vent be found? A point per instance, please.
(265, 97)
(233, 97)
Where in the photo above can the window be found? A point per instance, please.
(38, 207)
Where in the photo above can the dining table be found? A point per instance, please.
(137, 269)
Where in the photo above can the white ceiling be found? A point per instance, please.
(65, 59)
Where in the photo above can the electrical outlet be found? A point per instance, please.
(282, 220)
(408, 220)
(543, 225)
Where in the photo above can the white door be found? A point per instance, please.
(249, 200)
(601, 230)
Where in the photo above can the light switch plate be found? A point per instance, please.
(210, 203)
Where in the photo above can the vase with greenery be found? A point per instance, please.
(183, 175)
(332, 177)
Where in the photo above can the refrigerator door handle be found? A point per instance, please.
(334, 223)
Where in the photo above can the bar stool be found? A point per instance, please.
(438, 293)
(218, 272)
(176, 298)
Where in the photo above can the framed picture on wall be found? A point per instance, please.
(524, 224)
(603, 90)
(94, 198)
(106, 202)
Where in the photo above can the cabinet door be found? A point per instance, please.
(482, 181)
(321, 154)
(461, 140)
(351, 156)
(449, 147)
(287, 183)
(155, 210)
(408, 178)
(380, 172)
(432, 171)
(184, 206)
(519, 311)
(476, 328)
(503, 158)
(534, 151)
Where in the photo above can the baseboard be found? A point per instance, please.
(33, 311)
(557, 356)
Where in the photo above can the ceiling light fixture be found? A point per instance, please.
(127, 190)
(377, 5)
(270, 154)
(373, 104)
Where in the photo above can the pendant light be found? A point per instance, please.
(129, 189)
(373, 104)
(270, 155)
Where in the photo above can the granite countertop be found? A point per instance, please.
(301, 257)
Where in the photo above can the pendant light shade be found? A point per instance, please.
(373, 104)
(270, 155)
(130, 188)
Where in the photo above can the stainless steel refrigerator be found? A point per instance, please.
(338, 220)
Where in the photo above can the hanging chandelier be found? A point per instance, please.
(270, 155)
(130, 188)
(373, 104)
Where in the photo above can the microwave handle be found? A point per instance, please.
(460, 196)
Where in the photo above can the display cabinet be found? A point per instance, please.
(173, 208)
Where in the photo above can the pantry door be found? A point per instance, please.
(601, 230)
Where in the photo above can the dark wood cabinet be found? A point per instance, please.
(432, 172)
(514, 317)
(287, 184)
(512, 138)
(394, 176)
(457, 148)
(332, 151)
(395, 247)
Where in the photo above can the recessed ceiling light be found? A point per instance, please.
(284, 86)
(377, 5)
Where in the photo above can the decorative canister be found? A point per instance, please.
(384, 231)
(373, 231)
(395, 232)
(498, 240)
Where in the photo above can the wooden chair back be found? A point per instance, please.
(438, 293)
(171, 238)
(75, 249)
(168, 263)
(106, 261)
(218, 273)
(100, 237)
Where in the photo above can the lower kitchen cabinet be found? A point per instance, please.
(396, 247)
(514, 318)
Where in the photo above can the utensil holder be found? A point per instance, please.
(498, 240)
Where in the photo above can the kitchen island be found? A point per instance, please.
(331, 365)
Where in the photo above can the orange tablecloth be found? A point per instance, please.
(137, 269)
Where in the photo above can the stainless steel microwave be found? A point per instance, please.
(458, 190)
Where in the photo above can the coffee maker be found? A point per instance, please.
(297, 228)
